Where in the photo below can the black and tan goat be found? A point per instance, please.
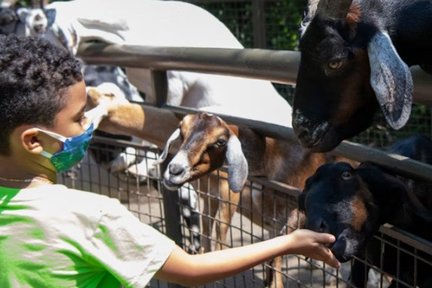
(354, 59)
(353, 203)
(207, 142)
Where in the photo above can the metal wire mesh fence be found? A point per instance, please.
(138, 189)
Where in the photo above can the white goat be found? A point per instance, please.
(170, 23)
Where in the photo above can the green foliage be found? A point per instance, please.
(283, 19)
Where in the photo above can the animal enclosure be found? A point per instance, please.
(142, 196)
(147, 202)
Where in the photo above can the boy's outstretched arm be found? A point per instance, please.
(189, 270)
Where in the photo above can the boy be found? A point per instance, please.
(52, 236)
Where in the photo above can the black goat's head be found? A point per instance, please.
(348, 68)
(348, 203)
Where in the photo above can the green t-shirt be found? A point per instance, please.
(52, 236)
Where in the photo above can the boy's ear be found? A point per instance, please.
(31, 140)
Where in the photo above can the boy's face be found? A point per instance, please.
(70, 120)
(27, 140)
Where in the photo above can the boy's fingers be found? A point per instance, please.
(330, 238)
(333, 262)
(326, 238)
(331, 259)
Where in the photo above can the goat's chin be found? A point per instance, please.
(171, 186)
(174, 182)
(345, 246)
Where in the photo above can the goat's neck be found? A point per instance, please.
(254, 149)
(279, 160)
(146, 122)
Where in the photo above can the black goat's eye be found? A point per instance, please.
(346, 175)
(220, 143)
(335, 64)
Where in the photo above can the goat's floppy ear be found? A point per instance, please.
(51, 16)
(391, 80)
(22, 13)
(237, 164)
(164, 154)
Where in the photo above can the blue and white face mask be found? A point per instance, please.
(73, 151)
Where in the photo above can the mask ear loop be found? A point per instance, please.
(46, 154)
(53, 134)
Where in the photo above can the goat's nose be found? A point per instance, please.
(175, 169)
(301, 126)
(38, 28)
(303, 133)
(323, 226)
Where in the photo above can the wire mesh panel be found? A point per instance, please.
(262, 210)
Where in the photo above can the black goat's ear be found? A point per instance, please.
(391, 80)
(237, 164)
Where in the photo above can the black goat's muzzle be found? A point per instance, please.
(346, 245)
(311, 135)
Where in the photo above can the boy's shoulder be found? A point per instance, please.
(72, 199)
(60, 190)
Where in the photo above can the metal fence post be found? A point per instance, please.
(159, 82)
(258, 24)
(172, 214)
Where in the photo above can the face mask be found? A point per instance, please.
(73, 151)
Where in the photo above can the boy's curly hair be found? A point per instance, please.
(34, 75)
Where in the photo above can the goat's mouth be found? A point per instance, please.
(175, 176)
(174, 182)
(171, 185)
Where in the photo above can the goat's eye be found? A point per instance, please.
(220, 143)
(335, 64)
(346, 175)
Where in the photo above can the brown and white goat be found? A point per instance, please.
(208, 141)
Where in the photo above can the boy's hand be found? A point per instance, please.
(314, 245)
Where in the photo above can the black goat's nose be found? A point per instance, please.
(303, 132)
(323, 226)
(175, 169)
(301, 125)
(304, 135)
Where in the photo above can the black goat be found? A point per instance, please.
(353, 203)
(354, 59)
